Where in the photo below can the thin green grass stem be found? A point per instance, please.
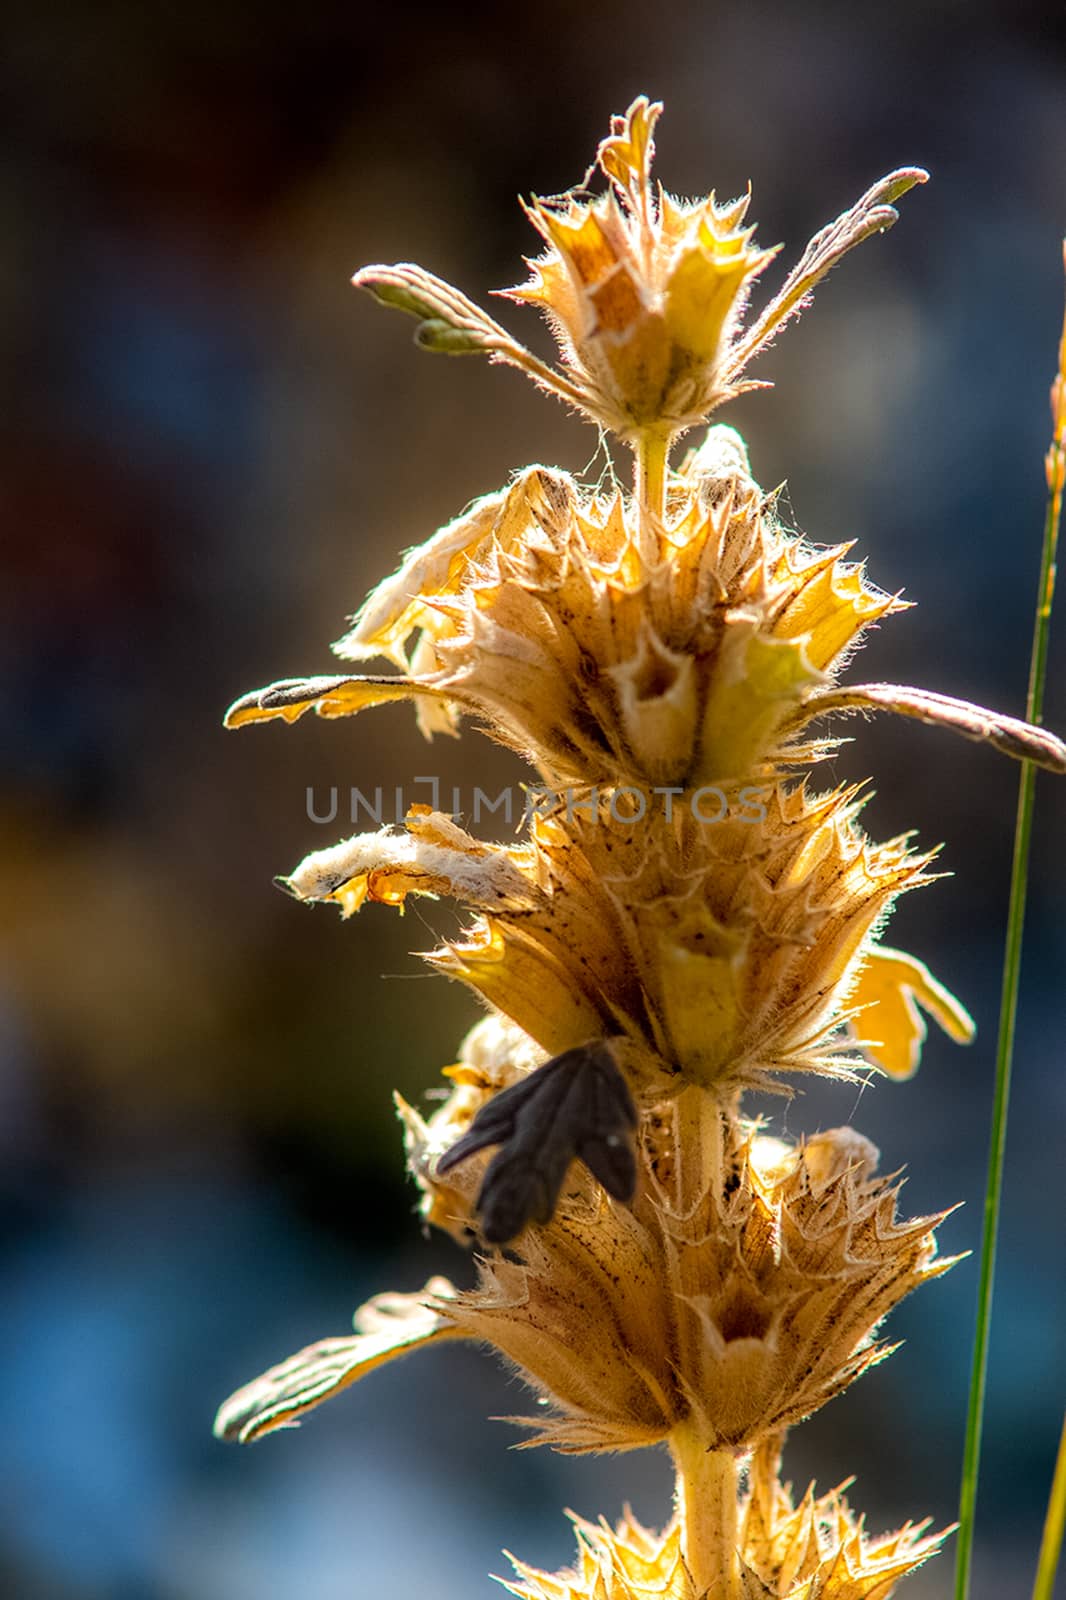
(1054, 1525)
(1056, 472)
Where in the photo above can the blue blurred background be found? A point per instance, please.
(214, 448)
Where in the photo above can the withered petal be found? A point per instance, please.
(388, 1326)
(1024, 741)
(291, 698)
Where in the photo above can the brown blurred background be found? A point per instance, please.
(213, 448)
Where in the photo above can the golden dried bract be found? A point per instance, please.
(644, 293)
(736, 1295)
(740, 1291)
(692, 649)
(818, 1550)
(722, 951)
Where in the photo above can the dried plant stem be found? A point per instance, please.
(649, 484)
(707, 1482)
(1054, 1526)
(1056, 476)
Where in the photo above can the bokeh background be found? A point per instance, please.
(213, 447)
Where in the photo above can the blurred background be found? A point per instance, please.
(214, 447)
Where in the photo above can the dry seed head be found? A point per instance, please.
(721, 953)
(607, 649)
(605, 659)
(644, 293)
(602, 658)
(736, 1296)
(740, 1292)
(817, 1550)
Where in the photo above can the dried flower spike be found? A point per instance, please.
(685, 919)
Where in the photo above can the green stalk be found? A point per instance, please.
(1054, 1525)
(1056, 474)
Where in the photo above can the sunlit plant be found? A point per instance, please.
(658, 1269)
